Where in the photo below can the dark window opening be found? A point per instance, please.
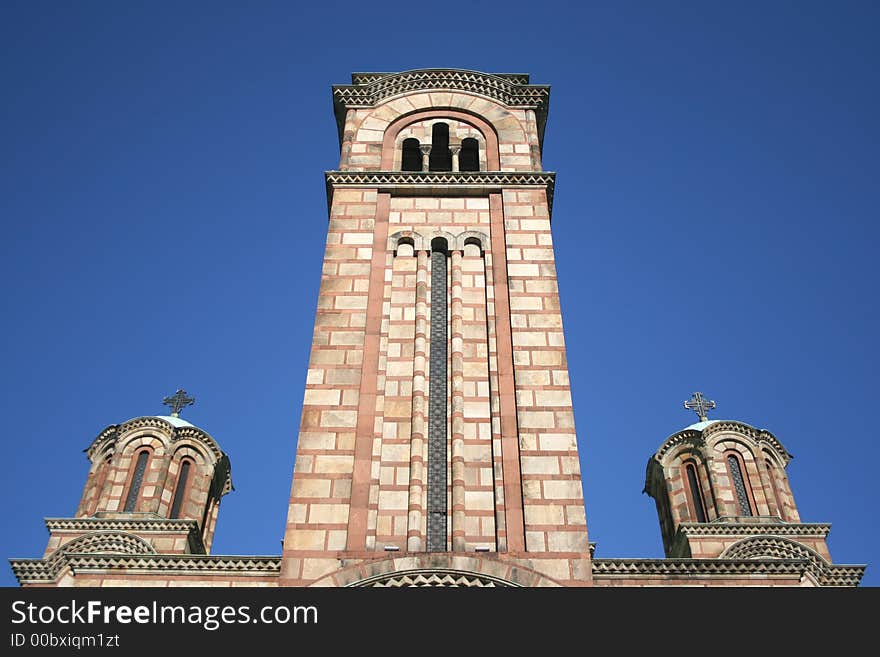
(696, 492)
(412, 155)
(469, 157)
(136, 481)
(181, 489)
(441, 156)
(437, 400)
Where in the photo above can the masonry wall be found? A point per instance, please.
(513, 472)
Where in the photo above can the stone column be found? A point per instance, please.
(455, 150)
(415, 537)
(495, 406)
(426, 156)
(457, 407)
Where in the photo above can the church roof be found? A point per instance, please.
(174, 421)
(699, 426)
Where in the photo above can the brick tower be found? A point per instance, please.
(437, 444)
(437, 436)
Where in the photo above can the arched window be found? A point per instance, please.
(181, 488)
(437, 400)
(469, 157)
(696, 491)
(411, 159)
(137, 479)
(441, 156)
(738, 476)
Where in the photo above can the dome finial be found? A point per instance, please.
(699, 405)
(179, 401)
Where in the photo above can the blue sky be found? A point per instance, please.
(715, 223)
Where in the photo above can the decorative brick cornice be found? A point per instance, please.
(132, 525)
(510, 89)
(441, 182)
(368, 78)
(696, 567)
(39, 570)
(135, 526)
(433, 577)
(721, 528)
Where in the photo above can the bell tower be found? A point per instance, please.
(437, 440)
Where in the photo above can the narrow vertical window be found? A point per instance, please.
(696, 492)
(441, 156)
(469, 157)
(411, 157)
(181, 489)
(739, 485)
(136, 480)
(437, 503)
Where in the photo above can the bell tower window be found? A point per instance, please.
(441, 156)
(469, 157)
(411, 159)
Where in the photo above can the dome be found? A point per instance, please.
(174, 421)
(699, 426)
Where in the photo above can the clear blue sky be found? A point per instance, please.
(715, 223)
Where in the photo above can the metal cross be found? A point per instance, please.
(699, 405)
(178, 402)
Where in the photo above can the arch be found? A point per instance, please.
(471, 237)
(406, 237)
(488, 130)
(777, 547)
(441, 237)
(106, 542)
(432, 577)
(146, 437)
(198, 451)
(394, 571)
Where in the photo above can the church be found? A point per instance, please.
(437, 444)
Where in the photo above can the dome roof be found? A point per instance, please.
(173, 421)
(176, 421)
(699, 426)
